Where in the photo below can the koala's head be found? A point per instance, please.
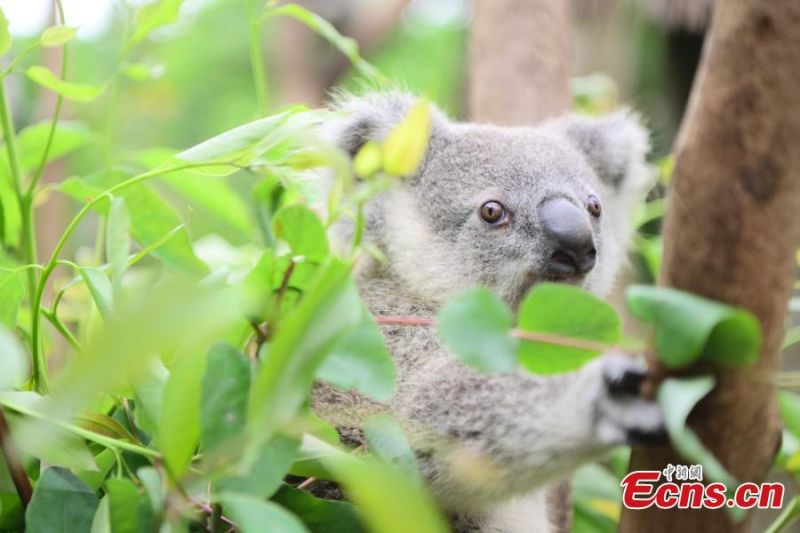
(503, 207)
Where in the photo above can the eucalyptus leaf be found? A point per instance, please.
(71, 91)
(253, 515)
(476, 325)
(406, 144)
(151, 218)
(61, 502)
(267, 472)
(320, 515)
(100, 289)
(179, 428)
(569, 312)
(5, 35)
(386, 441)
(302, 230)
(225, 388)
(57, 36)
(154, 15)
(677, 398)
(118, 241)
(361, 361)
(689, 327)
(124, 506)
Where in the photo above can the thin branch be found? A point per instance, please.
(548, 338)
(15, 468)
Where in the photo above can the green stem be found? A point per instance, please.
(25, 203)
(56, 116)
(257, 58)
(103, 440)
(64, 330)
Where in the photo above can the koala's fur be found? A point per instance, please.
(488, 445)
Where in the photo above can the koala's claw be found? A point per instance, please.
(624, 415)
(622, 377)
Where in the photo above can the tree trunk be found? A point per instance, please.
(520, 61)
(732, 230)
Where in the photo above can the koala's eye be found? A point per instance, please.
(493, 212)
(593, 206)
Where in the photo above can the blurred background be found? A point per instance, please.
(193, 79)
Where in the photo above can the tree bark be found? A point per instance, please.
(520, 61)
(731, 233)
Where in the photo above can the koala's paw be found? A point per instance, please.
(623, 415)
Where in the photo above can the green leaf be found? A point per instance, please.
(100, 289)
(5, 35)
(386, 441)
(374, 487)
(148, 392)
(677, 398)
(361, 361)
(13, 361)
(68, 136)
(124, 506)
(105, 460)
(179, 430)
(105, 425)
(320, 516)
(57, 36)
(405, 147)
(266, 474)
(61, 503)
(209, 193)
(368, 160)
(253, 514)
(71, 91)
(151, 218)
(154, 15)
(12, 290)
(238, 146)
(313, 457)
(153, 488)
(302, 230)
(225, 387)
(118, 241)
(476, 325)
(543, 311)
(329, 310)
(101, 523)
(689, 327)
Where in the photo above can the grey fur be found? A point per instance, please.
(489, 445)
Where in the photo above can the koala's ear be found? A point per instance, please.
(358, 119)
(615, 145)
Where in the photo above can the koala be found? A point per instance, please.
(503, 208)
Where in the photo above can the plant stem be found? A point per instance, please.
(25, 202)
(103, 440)
(18, 475)
(549, 338)
(56, 116)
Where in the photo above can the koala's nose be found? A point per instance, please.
(571, 234)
